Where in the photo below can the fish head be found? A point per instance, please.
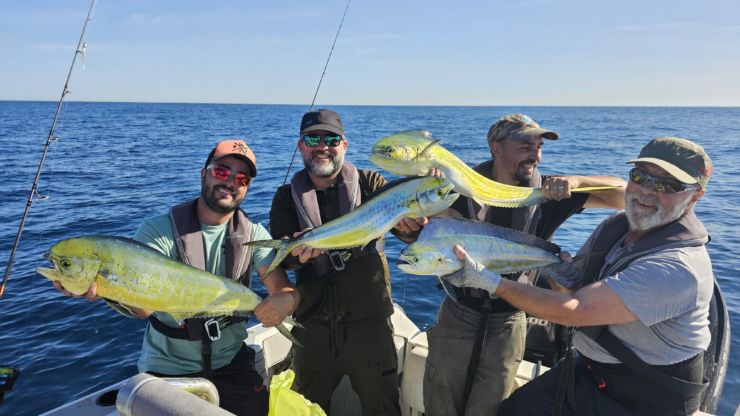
(74, 265)
(433, 195)
(423, 259)
(401, 153)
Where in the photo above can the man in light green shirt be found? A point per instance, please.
(208, 233)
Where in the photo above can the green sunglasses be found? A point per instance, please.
(331, 140)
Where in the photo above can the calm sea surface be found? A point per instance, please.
(115, 164)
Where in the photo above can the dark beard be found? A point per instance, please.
(524, 178)
(214, 203)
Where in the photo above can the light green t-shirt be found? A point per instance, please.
(171, 356)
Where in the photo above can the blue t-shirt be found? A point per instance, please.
(165, 355)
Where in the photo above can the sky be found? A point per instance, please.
(399, 52)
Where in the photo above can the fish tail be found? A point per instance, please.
(293, 322)
(286, 333)
(283, 249)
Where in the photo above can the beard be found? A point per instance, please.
(215, 202)
(524, 175)
(663, 215)
(323, 169)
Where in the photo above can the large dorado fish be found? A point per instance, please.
(415, 152)
(415, 198)
(130, 273)
(501, 250)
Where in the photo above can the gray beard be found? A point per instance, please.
(663, 216)
(324, 170)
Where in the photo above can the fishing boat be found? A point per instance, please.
(127, 396)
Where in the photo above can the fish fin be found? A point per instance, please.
(286, 333)
(120, 308)
(426, 151)
(594, 189)
(265, 243)
(282, 252)
(289, 320)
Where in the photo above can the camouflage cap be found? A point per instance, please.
(682, 158)
(518, 127)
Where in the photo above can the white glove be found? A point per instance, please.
(475, 275)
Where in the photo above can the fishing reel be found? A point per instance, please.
(8, 376)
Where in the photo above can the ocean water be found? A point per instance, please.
(115, 164)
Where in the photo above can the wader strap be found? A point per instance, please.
(480, 339)
(206, 352)
(333, 319)
(566, 379)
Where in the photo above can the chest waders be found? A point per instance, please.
(189, 242)
(687, 231)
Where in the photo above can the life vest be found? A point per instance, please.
(687, 231)
(188, 237)
(309, 216)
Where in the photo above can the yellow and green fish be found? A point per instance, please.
(415, 152)
(128, 273)
(415, 198)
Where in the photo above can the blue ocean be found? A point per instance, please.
(114, 164)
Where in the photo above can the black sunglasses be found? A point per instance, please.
(331, 140)
(660, 184)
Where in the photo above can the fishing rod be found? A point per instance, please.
(81, 48)
(315, 94)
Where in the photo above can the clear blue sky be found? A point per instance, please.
(518, 52)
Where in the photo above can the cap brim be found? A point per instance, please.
(252, 167)
(672, 169)
(534, 132)
(326, 127)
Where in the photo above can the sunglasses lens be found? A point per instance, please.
(311, 141)
(220, 173)
(241, 179)
(332, 141)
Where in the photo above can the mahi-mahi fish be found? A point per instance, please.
(415, 152)
(415, 198)
(501, 250)
(131, 274)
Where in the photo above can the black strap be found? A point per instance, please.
(616, 348)
(480, 338)
(333, 318)
(566, 379)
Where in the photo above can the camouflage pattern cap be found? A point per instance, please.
(518, 127)
(236, 148)
(682, 158)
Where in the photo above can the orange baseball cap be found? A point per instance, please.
(236, 148)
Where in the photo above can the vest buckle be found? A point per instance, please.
(213, 329)
(337, 260)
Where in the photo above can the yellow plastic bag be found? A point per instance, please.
(284, 401)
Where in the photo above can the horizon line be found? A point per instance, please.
(384, 105)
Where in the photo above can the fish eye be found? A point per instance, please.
(64, 263)
(389, 150)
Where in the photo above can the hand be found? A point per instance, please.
(557, 188)
(90, 295)
(274, 308)
(303, 252)
(473, 274)
(410, 225)
(436, 172)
